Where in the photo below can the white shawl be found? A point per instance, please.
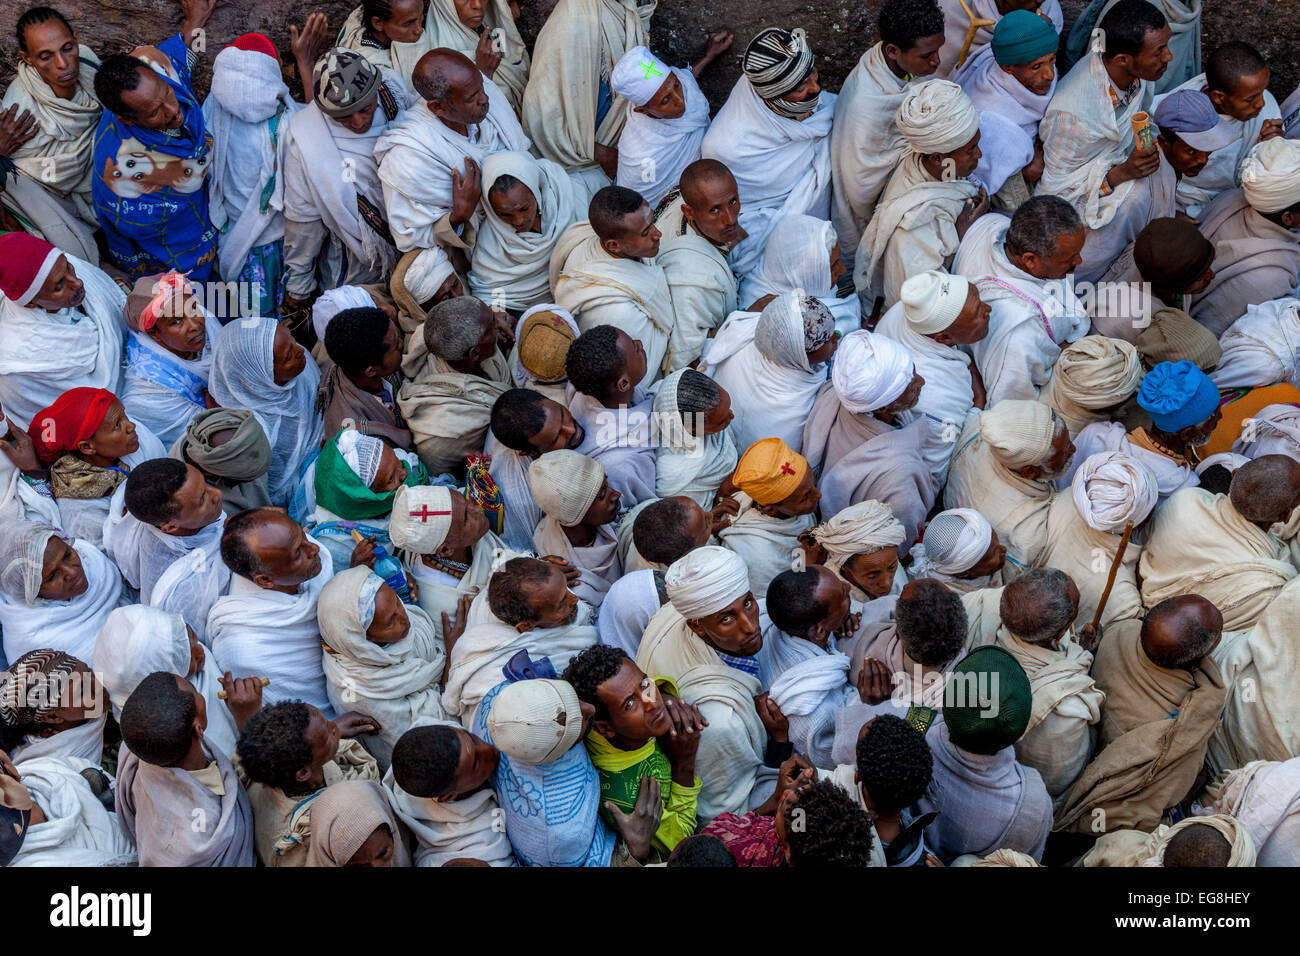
(866, 146)
(417, 155)
(247, 94)
(43, 354)
(143, 553)
(653, 152)
(255, 632)
(512, 269)
(575, 52)
(471, 827)
(68, 626)
(313, 150)
(809, 693)
(243, 377)
(1262, 347)
(137, 641)
(770, 394)
(782, 166)
(763, 542)
(61, 155)
(397, 684)
(77, 831)
(797, 260)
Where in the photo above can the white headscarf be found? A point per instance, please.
(137, 641)
(870, 371)
(30, 622)
(1270, 175)
(515, 265)
(243, 377)
(797, 256)
(937, 117)
(863, 528)
(333, 302)
(705, 581)
(1112, 489)
(398, 684)
(361, 453)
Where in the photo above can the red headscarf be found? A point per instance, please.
(74, 417)
(25, 264)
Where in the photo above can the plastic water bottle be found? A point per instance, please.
(390, 569)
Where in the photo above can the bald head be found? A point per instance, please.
(1178, 633)
(439, 70)
(1197, 845)
(702, 172)
(1267, 489)
(1039, 605)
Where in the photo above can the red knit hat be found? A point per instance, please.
(256, 43)
(25, 264)
(74, 417)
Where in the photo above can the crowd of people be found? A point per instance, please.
(488, 457)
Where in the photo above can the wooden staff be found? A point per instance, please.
(221, 694)
(1114, 569)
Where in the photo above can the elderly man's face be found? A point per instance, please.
(466, 102)
(972, 323)
(1062, 454)
(1062, 262)
(281, 548)
(734, 630)
(553, 604)
(468, 525)
(52, 52)
(965, 159)
(1198, 435)
(992, 561)
(359, 121)
(1037, 75)
(61, 288)
(152, 103)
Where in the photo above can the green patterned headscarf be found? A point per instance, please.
(340, 488)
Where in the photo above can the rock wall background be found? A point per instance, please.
(839, 30)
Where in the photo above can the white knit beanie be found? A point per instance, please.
(933, 300)
(1018, 432)
(564, 484)
(525, 720)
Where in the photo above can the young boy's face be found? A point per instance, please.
(634, 708)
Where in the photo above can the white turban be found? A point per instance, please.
(421, 518)
(1226, 459)
(870, 371)
(704, 582)
(1019, 432)
(1270, 176)
(426, 274)
(1098, 372)
(858, 529)
(525, 720)
(1112, 489)
(956, 539)
(937, 117)
(932, 301)
(362, 453)
(333, 302)
(638, 75)
(565, 484)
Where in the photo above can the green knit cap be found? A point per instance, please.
(987, 701)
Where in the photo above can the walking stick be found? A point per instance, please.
(1114, 569)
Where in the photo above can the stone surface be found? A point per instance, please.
(839, 30)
